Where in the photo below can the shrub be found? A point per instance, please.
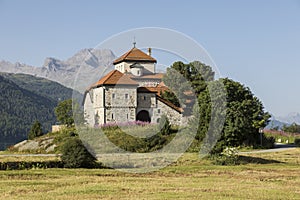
(164, 125)
(297, 142)
(268, 142)
(229, 156)
(75, 155)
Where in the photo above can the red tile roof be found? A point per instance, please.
(134, 55)
(148, 76)
(158, 90)
(115, 77)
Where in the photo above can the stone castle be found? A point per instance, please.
(131, 92)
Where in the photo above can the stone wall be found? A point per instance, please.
(89, 110)
(146, 100)
(174, 116)
(120, 115)
(121, 96)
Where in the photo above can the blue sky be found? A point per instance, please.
(254, 42)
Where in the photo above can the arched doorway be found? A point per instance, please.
(143, 116)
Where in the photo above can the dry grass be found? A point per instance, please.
(189, 178)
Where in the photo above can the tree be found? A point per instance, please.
(293, 128)
(171, 97)
(75, 155)
(186, 81)
(244, 116)
(64, 113)
(35, 131)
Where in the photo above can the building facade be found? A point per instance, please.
(129, 93)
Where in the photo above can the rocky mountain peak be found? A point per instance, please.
(52, 63)
(89, 62)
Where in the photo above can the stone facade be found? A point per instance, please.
(116, 97)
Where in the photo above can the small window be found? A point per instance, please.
(113, 95)
(158, 110)
(138, 72)
(112, 115)
(144, 97)
(127, 115)
(158, 119)
(126, 96)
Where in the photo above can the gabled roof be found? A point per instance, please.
(115, 77)
(133, 55)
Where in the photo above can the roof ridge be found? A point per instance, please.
(134, 54)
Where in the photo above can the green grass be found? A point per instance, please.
(188, 178)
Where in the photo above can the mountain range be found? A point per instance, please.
(77, 72)
(279, 122)
(293, 117)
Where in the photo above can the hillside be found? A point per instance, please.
(24, 99)
(41, 86)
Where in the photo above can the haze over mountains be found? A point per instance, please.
(86, 65)
(293, 117)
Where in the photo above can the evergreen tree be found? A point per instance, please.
(64, 112)
(35, 131)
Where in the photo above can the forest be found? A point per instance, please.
(24, 99)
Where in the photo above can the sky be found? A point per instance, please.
(254, 42)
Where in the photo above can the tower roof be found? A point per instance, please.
(115, 78)
(134, 55)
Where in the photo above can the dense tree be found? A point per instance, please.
(64, 113)
(186, 81)
(244, 116)
(35, 131)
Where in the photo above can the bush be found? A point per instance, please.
(229, 156)
(35, 131)
(164, 125)
(75, 155)
(268, 142)
(297, 142)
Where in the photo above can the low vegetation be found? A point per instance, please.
(283, 137)
(262, 176)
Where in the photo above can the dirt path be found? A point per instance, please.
(278, 147)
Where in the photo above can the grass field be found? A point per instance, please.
(189, 178)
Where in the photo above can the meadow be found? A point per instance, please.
(261, 176)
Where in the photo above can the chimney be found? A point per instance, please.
(149, 51)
